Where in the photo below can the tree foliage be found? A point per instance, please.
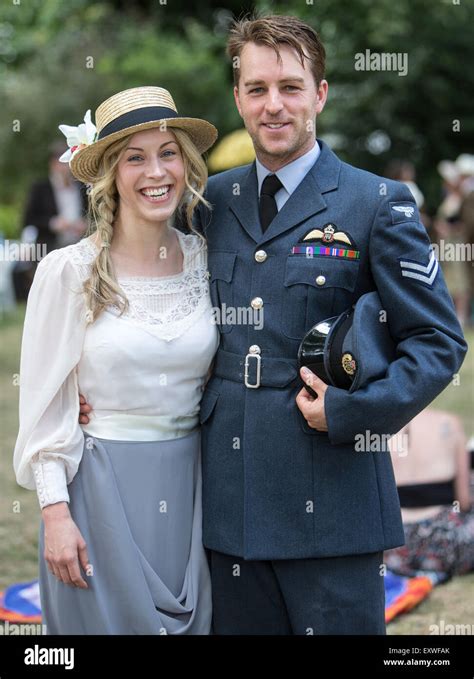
(57, 59)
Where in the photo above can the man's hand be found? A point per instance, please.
(312, 408)
(84, 409)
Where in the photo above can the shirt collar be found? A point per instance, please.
(290, 175)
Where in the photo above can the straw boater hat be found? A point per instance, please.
(128, 112)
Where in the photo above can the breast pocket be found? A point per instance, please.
(221, 267)
(315, 288)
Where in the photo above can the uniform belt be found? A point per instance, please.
(255, 370)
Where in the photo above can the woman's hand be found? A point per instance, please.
(64, 546)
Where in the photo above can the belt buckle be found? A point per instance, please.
(246, 372)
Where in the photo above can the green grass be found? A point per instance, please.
(459, 397)
(453, 602)
(18, 529)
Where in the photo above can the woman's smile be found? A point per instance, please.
(156, 194)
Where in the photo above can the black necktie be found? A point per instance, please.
(267, 206)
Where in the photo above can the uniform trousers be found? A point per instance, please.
(334, 595)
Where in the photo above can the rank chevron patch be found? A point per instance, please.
(424, 274)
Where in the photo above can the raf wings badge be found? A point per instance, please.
(327, 235)
(324, 243)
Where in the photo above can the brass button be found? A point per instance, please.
(260, 255)
(254, 349)
(256, 303)
(320, 280)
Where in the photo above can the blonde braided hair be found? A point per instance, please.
(101, 288)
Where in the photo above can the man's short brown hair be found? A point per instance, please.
(274, 31)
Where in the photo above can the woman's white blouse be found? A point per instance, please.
(142, 372)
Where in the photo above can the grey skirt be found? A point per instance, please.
(138, 507)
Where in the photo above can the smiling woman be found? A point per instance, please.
(143, 180)
(128, 312)
(168, 161)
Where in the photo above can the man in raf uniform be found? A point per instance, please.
(296, 518)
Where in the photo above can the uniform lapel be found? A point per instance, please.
(245, 204)
(307, 199)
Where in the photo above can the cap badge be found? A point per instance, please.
(349, 364)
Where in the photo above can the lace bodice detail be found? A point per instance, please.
(167, 306)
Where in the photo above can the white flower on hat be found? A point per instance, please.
(78, 137)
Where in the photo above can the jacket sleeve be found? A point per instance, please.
(50, 440)
(421, 320)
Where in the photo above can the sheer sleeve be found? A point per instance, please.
(50, 440)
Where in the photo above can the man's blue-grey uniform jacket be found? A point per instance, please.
(274, 488)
